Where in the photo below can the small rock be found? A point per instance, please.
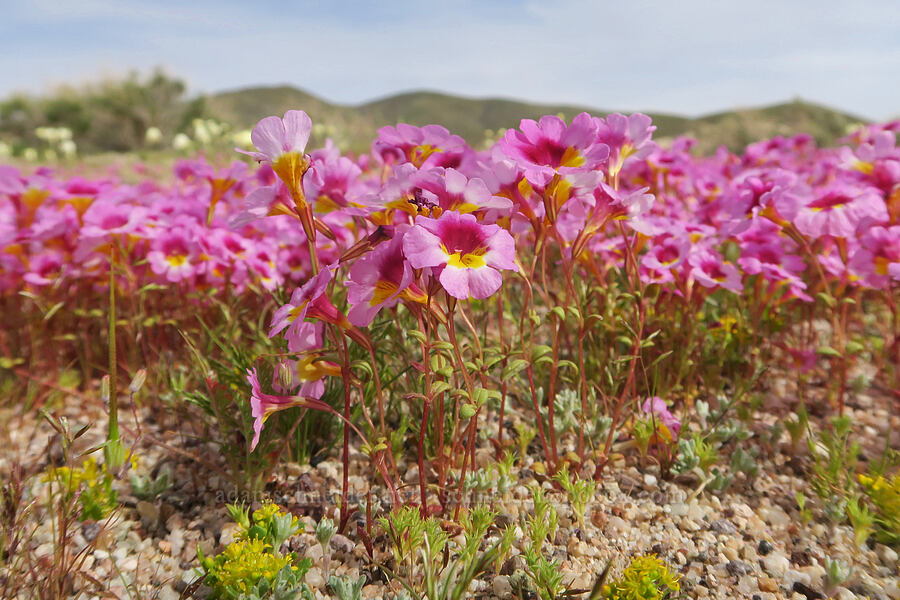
(791, 577)
(767, 584)
(616, 526)
(679, 509)
(776, 565)
(843, 593)
(340, 543)
(314, 578)
(764, 547)
(148, 512)
(887, 556)
(649, 481)
(165, 547)
(723, 526)
(167, 593)
(736, 568)
(892, 588)
(501, 587)
(774, 516)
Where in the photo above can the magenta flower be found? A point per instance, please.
(840, 210)
(628, 138)
(424, 147)
(274, 137)
(378, 279)
(877, 259)
(310, 372)
(709, 270)
(656, 406)
(550, 147)
(308, 300)
(469, 255)
(171, 253)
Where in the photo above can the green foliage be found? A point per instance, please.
(834, 461)
(346, 588)
(580, 491)
(646, 578)
(93, 485)
(420, 544)
(884, 494)
(253, 567)
(146, 487)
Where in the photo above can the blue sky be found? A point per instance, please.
(689, 56)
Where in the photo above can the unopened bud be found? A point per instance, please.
(138, 381)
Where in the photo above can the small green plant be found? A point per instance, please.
(253, 567)
(92, 483)
(346, 588)
(420, 543)
(861, 519)
(325, 530)
(798, 426)
(524, 436)
(805, 513)
(836, 573)
(884, 493)
(146, 487)
(834, 460)
(579, 491)
(545, 574)
(646, 578)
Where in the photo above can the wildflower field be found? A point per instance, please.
(576, 364)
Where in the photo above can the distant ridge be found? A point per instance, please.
(354, 127)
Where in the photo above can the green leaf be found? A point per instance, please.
(513, 368)
(827, 351)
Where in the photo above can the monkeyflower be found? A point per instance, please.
(839, 210)
(171, 253)
(310, 301)
(380, 278)
(281, 143)
(656, 406)
(628, 138)
(549, 147)
(467, 254)
(311, 373)
(423, 147)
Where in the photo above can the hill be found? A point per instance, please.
(354, 127)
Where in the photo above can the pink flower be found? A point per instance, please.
(308, 300)
(656, 406)
(311, 372)
(424, 147)
(550, 147)
(628, 138)
(282, 142)
(839, 210)
(468, 254)
(274, 137)
(877, 259)
(378, 279)
(709, 270)
(171, 253)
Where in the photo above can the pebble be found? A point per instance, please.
(148, 512)
(314, 578)
(767, 584)
(616, 525)
(842, 593)
(341, 543)
(723, 526)
(764, 547)
(501, 587)
(892, 588)
(167, 593)
(736, 568)
(650, 481)
(776, 565)
(887, 555)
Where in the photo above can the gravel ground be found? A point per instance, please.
(748, 542)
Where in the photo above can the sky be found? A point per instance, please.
(689, 57)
